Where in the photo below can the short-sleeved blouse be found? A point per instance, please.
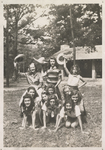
(73, 80)
(76, 113)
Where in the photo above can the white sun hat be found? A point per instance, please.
(41, 60)
(19, 58)
(61, 56)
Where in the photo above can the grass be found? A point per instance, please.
(65, 137)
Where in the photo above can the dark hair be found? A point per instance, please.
(44, 92)
(36, 70)
(54, 60)
(77, 68)
(32, 104)
(50, 86)
(52, 97)
(70, 102)
(36, 94)
(27, 96)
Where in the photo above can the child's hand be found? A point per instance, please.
(44, 127)
(21, 128)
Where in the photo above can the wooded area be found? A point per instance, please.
(20, 35)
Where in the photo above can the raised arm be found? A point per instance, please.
(65, 68)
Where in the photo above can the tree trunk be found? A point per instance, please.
(7, 54)
(98, 12)
(16, 36)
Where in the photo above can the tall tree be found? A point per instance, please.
(13, 15)
(87, 24)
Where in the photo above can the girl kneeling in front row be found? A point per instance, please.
(71, 115)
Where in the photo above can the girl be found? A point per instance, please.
(51, 111)
(71, 114)
(34, 78)
(53, 75)
(32, 91)
(42, 109)
(75, 97)
(66, 93)
(52, 91)
(28, 110)
(74, 78)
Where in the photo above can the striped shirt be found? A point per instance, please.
(53, 75)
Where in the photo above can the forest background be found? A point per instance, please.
(39, 30)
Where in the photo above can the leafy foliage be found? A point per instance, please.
(46, 40)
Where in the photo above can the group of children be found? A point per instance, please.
(50, 108)
(48, 105)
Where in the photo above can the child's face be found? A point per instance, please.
(51, 91)
(44, 97)
(68, 106)
(32, 92)
(27, 102)
(74, 71)
(52, 62)
(67, 91)
(52, 102)
(75, 98)
(32, 69)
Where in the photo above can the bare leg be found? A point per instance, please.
(24, 122)
(58, 121)
(44, 120)
(33, 119)
(74, 124)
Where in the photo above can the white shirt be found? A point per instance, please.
(73, 80)
(44, 107)
(77, 111)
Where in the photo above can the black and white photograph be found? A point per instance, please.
(52, 74)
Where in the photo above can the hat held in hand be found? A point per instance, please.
(61, 56)
(41, 60)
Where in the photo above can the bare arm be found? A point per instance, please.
(58, 82)
(80, 123)
(66, 70)
(22, 74)
(21, 99)
(84, 82)
(58, 121)
(44, 119)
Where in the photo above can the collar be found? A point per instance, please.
(53, 68)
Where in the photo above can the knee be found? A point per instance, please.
(67, 124)
(74, 124)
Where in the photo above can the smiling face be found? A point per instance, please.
(68, 106)
(75, 98)
(27, 102)
(32, 67)
(32, 93)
